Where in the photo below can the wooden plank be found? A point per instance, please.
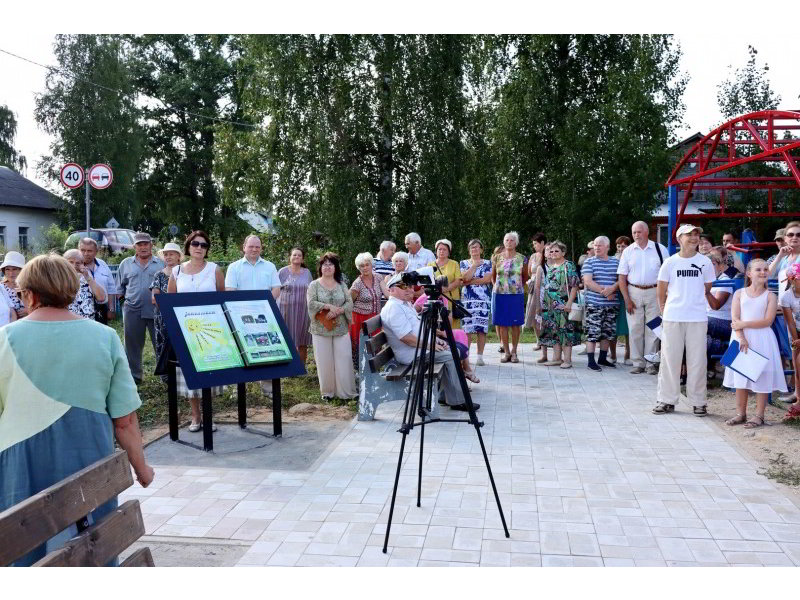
(437, 372)
(141, 558)
(380, 359)
(372, 325)
(374, 344)
(33, 521)
(397, 373)
(101, 542)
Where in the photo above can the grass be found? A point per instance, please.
(783, 471)
(153, 392)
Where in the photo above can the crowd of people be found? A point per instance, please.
(50, 303)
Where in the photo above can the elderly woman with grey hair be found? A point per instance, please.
(89, 289)
(508, 296)
(382, 264)
(560, 288)
(366, 292)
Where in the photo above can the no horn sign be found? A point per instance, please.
(100, 176)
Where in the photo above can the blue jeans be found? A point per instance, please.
(717, 337)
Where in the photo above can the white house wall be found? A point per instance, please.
(12, 218)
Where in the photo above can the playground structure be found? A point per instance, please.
(769, 137)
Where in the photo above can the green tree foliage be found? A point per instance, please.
(747, 89)
(9, 156)
(90, 110)
(192, 78)
(370, 137)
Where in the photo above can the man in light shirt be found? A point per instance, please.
(252, 272)
(418, 256)
(638, 278)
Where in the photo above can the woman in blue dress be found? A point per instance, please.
(476, 279)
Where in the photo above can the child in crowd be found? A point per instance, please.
(753, 311)
(789, 301)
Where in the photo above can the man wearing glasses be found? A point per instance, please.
(134, 276)
(401, 322)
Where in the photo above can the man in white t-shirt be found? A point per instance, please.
(683, 283)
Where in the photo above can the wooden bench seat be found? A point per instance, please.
(382, 378)
(27, 525)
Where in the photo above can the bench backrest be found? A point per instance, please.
(27, 525)
(377, 347)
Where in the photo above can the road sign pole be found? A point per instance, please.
(88, 202)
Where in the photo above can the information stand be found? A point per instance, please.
(207, 379)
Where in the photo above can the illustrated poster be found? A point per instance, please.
(258, 332)
(208, 337)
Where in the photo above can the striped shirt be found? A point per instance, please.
(382, 267)
(604, 273)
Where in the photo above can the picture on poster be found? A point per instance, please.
(209, 338)
(258, 332)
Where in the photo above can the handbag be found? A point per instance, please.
(576, 310)
(322, 317)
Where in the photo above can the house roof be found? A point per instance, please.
(16, 190)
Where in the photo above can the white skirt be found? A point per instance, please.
(772, 378)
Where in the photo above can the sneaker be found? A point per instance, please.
(654, 358)
(480, 362)
(194, 427)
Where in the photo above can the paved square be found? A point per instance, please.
(586, 474)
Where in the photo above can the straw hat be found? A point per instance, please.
(13, 259)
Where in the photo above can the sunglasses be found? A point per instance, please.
(197, 244)
(401, 286)
(792, 235)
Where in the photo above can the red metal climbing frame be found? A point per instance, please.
(775, 133)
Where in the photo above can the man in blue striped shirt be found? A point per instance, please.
(601, 303)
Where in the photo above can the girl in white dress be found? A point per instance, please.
(753, 311)
(196, 275)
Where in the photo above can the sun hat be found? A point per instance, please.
(13, 259)
(687, 228)
(172, 247)
(444, 241)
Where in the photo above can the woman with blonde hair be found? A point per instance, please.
(366, 292)
(508, 296)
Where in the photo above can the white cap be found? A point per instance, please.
(13, 259)
(395, 279)
(172, 247)
(687, 228)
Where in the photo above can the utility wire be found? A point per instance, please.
(68, 73)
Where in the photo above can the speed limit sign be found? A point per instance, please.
(72, 175)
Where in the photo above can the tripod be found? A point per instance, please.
(420, 392)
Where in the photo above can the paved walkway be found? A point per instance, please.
(587, 477)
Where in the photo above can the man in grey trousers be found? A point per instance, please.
(134, 276)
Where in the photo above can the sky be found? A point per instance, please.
(707, 59)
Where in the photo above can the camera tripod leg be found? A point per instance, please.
(419, 475)
(394, 491)
(491, 477)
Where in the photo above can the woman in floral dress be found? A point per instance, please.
(476, 279)
(295, 278)
(560, 289)
(508, 297)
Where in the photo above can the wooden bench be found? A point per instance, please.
(383, 379)
(32, 522)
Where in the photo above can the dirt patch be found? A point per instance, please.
(775, 447)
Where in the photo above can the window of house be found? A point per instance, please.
(3, 236)
(23, 238)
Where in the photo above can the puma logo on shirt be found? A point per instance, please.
(689, 272)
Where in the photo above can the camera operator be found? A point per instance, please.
(401, 323)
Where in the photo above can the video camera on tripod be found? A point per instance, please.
(434, 288)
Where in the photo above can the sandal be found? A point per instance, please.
(662, 409)
(737, 420)
(506, 358)
(514, 358)
(543, 359)
(552, 363)
(566, 365)
(752, 423)
(472, 377)
(700, 411)
(792, 413)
